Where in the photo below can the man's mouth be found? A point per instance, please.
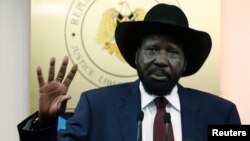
(159, 75)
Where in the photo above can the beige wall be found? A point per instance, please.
(235, 52)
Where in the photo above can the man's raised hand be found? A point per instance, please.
(53, 93)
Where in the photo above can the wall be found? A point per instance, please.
(235, 50)
(14, 66)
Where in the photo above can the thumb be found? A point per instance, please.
(63, 103)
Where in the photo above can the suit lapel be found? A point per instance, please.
(192, 123)
(127, 109)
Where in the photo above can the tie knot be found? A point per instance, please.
(161, 102)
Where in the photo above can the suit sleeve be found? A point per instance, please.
(77, 127)
(46, 134)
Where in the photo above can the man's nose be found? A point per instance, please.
(161, 58)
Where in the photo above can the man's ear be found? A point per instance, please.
(184, 66)
(136, 56)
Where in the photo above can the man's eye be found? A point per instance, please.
(150, 51)
(174, 52)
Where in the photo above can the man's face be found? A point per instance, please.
(160, 63)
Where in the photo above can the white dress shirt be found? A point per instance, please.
(149, 109)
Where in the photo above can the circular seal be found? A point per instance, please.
(89, 38)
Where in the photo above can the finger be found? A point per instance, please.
(63, 103)
(51, 69)
(40, 76)
(71, 75)
(62, 69)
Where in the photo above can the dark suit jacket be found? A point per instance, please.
(109, 114)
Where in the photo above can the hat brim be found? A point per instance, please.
(197, 44)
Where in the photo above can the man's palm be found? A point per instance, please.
(53, 98)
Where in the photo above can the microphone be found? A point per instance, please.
(139, 119)
(167, 120)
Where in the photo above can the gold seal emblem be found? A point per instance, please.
(111, 17)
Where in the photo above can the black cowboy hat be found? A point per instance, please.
(164, 19)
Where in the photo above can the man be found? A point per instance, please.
(162, 49)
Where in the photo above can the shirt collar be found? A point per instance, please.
(173, 97)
